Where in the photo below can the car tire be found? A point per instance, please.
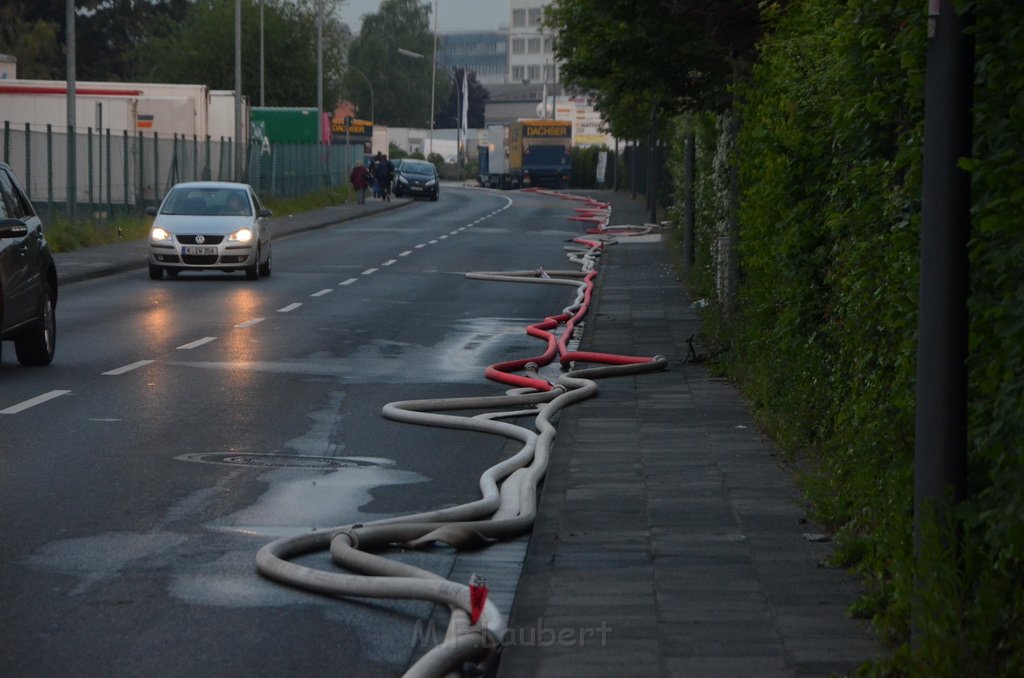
(155, 272)
(265, 267)
(38, 343)
(253, 272)
(434, 197)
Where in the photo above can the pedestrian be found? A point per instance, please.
(382, 172)
(360, 179)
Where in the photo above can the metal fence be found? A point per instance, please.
(117, 174)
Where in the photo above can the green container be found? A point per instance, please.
(285, 125)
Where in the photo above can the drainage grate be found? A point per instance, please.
(286, 460)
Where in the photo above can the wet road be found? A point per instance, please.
(187, 422)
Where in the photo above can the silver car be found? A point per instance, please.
(210, 225)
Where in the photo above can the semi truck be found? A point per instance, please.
(526, 153)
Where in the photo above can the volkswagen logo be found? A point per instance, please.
(200, 239)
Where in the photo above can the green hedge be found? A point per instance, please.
(823, 336)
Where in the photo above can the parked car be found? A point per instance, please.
(210, 225)
(416, 178)
(28, 277)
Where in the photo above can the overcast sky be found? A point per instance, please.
(452, 15)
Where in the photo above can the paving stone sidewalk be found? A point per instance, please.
(670, 539)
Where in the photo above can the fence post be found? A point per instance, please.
(28, 159)
(110, 204)
(124, 170)
(88, 155)
(7, 141)
(156, 167)
(49, 170)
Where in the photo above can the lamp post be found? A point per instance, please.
(455, 83)
(429, 146)
(368, 84)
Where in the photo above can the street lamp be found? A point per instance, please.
(455, 83)
(433, 74)
(368, 84)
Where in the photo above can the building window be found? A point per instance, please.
(549, 45)
(536, 14)
(534, 73)
(533, 46)
(519, 18)
(549, 73)
(518, 46)
(517, 72)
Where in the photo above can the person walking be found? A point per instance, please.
(360, 179)
(383, 169)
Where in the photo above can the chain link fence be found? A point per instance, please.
(116, 174)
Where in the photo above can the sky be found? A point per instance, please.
(452, 15)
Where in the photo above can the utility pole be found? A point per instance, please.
(940, 419)
(72, 167)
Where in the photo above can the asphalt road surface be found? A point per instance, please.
(187, 422)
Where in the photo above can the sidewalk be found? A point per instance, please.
(670, 539)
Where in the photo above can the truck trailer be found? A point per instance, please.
(527, 153)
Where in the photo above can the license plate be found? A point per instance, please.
(198, 250)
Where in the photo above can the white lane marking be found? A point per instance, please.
(321, 292)
(405, 253)
(127, 368)
(432, 242)
(32, 402)
(196, 344)
(389, 262)
(455, 232)
(249, 323)
(369, 271)
(443, 237)
(349, 281)
(421, 245)
(290, 307)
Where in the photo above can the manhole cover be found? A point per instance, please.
(286, 460)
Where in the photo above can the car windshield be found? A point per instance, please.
(207, 202)
(417, 167)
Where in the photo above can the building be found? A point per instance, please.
(531, 48)
(484, 53)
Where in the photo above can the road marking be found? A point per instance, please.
(127, 368)
(369, 271)
(196, 344)
(349, 281)
(443, 237)
(289, 308)
(32, 402)
(389, 262)
(405, 253)
(249, 323)
(432, 242)
(455, 232)
(322, 292)
(421, 245)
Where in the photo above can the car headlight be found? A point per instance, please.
(241, 235)
(402, 180)
(431, 182)
(158, 234)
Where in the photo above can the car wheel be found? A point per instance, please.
(36, 345)
(265, 266)
(155, 272)
(253, 272)
(433, 198)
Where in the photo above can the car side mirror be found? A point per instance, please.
(265, 213)
(13, 228)
(151, 211)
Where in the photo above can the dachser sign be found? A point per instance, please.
(548, 129)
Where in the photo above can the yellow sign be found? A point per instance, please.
(548, 128)
(358, 127)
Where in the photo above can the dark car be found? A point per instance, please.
(416, 178)
(28, 277)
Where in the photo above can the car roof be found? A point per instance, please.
(211, 184)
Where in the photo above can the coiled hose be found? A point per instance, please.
(507, 505)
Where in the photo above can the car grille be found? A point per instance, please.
(195, 260)
(191, 239)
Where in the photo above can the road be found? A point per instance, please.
(187, 422)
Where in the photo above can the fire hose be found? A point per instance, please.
(508, 499)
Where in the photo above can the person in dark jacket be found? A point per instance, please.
(360, 179)
(383, 170)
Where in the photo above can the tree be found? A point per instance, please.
(401, 84)
(451, 111)
(202, 50)
(640, 56)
